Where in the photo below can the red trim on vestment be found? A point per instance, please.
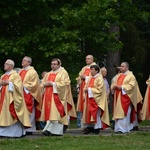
(28, 100)
(132, 115)
(28, 97)
(48, 96)
(59, 105)
(48, 99)
(3, 90)
(81, 92)
(91, 105)
(23, 74)
(69, 107)
(37, 111)
(12, 110)
(125, 100)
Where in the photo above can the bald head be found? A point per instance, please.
(89, 59)
(124, 67)
(103, 71)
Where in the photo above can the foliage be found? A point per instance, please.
(136, 44)
(69, 30)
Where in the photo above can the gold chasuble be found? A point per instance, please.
(54, 103)
(131, 97)
(86, 72)
(99, 100)
(32, 84)
(48, 99)
(146, 104)
(12, 104)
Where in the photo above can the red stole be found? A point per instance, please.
(125, 100)
(3, 90)
(27, 97)
(48, 99)
(11, 106)
(91, 105)
(81, 101)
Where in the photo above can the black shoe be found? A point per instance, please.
(46, 133)
(119, 132)
(65, 128)
(28, 133)
(96, 131)
(88, 130)
(56, 135)
(135, 128)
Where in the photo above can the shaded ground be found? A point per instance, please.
(78, 132)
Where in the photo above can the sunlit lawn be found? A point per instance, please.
(132, 141)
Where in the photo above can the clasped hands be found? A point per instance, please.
(119, 87)
(82, 77)
(4, 82)
(86, 90)
(48, 83)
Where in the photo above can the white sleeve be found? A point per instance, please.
(27, 92)
(90, 95)
(54, 88)
(10, 87)
(86, 79)
(123, 91)
(0, 87)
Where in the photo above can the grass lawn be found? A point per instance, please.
(132, 141)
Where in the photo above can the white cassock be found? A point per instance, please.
(124, 125)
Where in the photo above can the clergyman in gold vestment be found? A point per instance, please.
(13, 112)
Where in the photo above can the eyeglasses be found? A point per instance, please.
(54, 64)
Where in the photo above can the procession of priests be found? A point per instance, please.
(25, 100)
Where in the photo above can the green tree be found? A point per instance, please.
(69, 30)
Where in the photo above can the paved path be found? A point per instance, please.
(78, 132)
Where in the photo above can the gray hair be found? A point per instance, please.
(29, 59)
(11, 62)
(17, 69)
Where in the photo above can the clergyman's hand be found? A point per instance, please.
(48, 83)
(83, 77)
(5, 82)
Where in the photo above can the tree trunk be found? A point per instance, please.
(112, 61)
